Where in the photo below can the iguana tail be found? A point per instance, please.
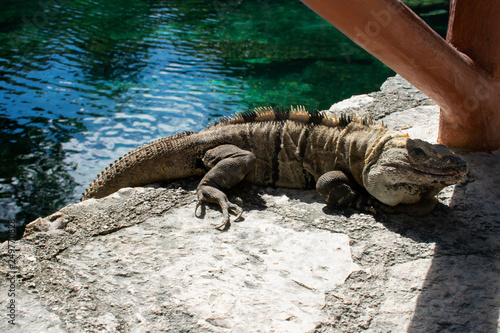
(168, 158)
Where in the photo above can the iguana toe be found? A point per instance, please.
(198, 205)
(366, 204)
(214, 195)
(236, 210)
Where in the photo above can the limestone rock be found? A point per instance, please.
(140, 261)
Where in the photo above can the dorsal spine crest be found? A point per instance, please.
(295, 113)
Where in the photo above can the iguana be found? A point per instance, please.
(350, 160)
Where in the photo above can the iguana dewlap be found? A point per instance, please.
(350, 161)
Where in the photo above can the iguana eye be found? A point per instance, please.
(417, 152)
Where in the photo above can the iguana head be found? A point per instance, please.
(408, 170)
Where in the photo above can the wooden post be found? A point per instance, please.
(458, 74)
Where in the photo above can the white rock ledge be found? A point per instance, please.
(139, 261)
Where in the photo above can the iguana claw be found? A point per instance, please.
(365, 203)
(227, 208)
(213, 195)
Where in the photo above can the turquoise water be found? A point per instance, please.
(83, 82)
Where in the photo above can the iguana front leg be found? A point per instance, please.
(228, 165)
(338, 189)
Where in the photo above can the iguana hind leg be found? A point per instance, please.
(228, 165)
(338, 189)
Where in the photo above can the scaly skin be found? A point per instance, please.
(350, 161)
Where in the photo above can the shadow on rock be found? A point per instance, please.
(461, 289)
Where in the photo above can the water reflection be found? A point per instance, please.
(35, 177)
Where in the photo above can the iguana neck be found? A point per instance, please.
(358, 146)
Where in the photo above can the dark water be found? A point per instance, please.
(83, 82)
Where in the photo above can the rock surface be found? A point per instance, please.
(139, 261)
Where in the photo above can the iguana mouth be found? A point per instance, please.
(434, 173)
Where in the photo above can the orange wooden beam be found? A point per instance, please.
(461, 85)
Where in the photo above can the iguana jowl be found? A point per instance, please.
(351, 161)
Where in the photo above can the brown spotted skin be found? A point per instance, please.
(292, 149)
(291, 152)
